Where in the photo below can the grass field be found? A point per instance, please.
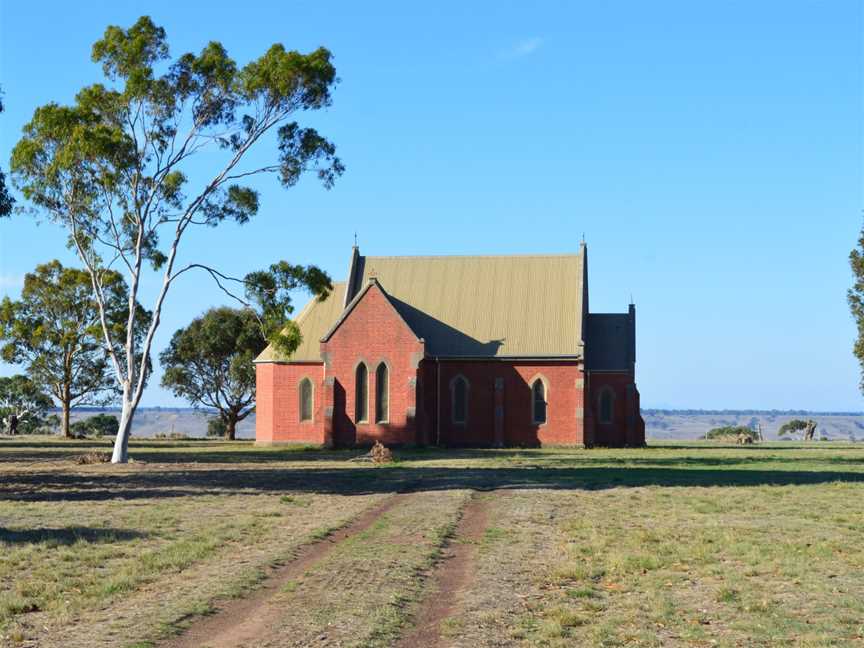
(224, 544)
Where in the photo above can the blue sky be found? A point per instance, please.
(711, 152)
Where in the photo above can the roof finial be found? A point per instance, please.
(355, 239)
(583, 238)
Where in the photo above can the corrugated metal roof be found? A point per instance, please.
(314, 321)
(469, 306)
(486, 306)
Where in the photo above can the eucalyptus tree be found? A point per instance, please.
(806, 428)
(6, 200)
(54, 330)
(855, 297)
(23, 405)
(121, 168)
(210, 363)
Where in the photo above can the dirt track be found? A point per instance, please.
(259, 619)
(247, 621)
(453, 573)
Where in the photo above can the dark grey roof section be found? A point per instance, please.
(611, 341)
(352, 285)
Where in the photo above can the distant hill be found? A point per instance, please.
(659, 423)
(693, 424)
(150, 421)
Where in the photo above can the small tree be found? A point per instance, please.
(23, 406)
(6, 200)
(98, 425)
(795, 426)
(121, 170)
(210, 363)
(856, 302)
(54, 330)
(216, 427)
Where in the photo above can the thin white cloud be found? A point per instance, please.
(525, 47)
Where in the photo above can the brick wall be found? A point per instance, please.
(627, 427)
(503, 390)
(373, 332)
(277, 408)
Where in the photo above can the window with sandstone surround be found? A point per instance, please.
(459, 399)
(538, 402)
(306, 400)
(361, 394)
(382, 394)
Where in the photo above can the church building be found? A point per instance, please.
(455, 351)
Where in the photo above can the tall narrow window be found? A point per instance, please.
(361, 394)
(382, 394)
(306, 404)
(538, 402)
(460, 399)
(606, 405)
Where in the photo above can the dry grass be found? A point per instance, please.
(363, 593)
(688, 544)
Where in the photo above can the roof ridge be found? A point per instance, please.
(476, 256)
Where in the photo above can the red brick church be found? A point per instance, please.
(450, 350)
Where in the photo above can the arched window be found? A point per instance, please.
(607, 409)
(306, 400)
(459, 399)
(538, 401)
(382, 394)
(361, 394)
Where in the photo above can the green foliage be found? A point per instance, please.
(855, 298)
(733, 432)
(22, 400)
(216, 427)
(119, 148)
(807, 428)
(55, 331)
(115, 167)
(270, 291)
(98, 425)
(6, 200)
(791, 427)
(209, 363)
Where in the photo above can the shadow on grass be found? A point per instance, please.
(205, 451)
(67, 535)
(701, 462)
(225, 454)
(167, 482)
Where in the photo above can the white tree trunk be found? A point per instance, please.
(121, 443)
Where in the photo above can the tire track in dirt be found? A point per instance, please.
(244, 621)
(454, 573)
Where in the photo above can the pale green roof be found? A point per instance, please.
(486, 305)
(468, 306)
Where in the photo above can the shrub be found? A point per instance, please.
(216, 427)
(98, 425)
(93, 458)
(734, 432)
